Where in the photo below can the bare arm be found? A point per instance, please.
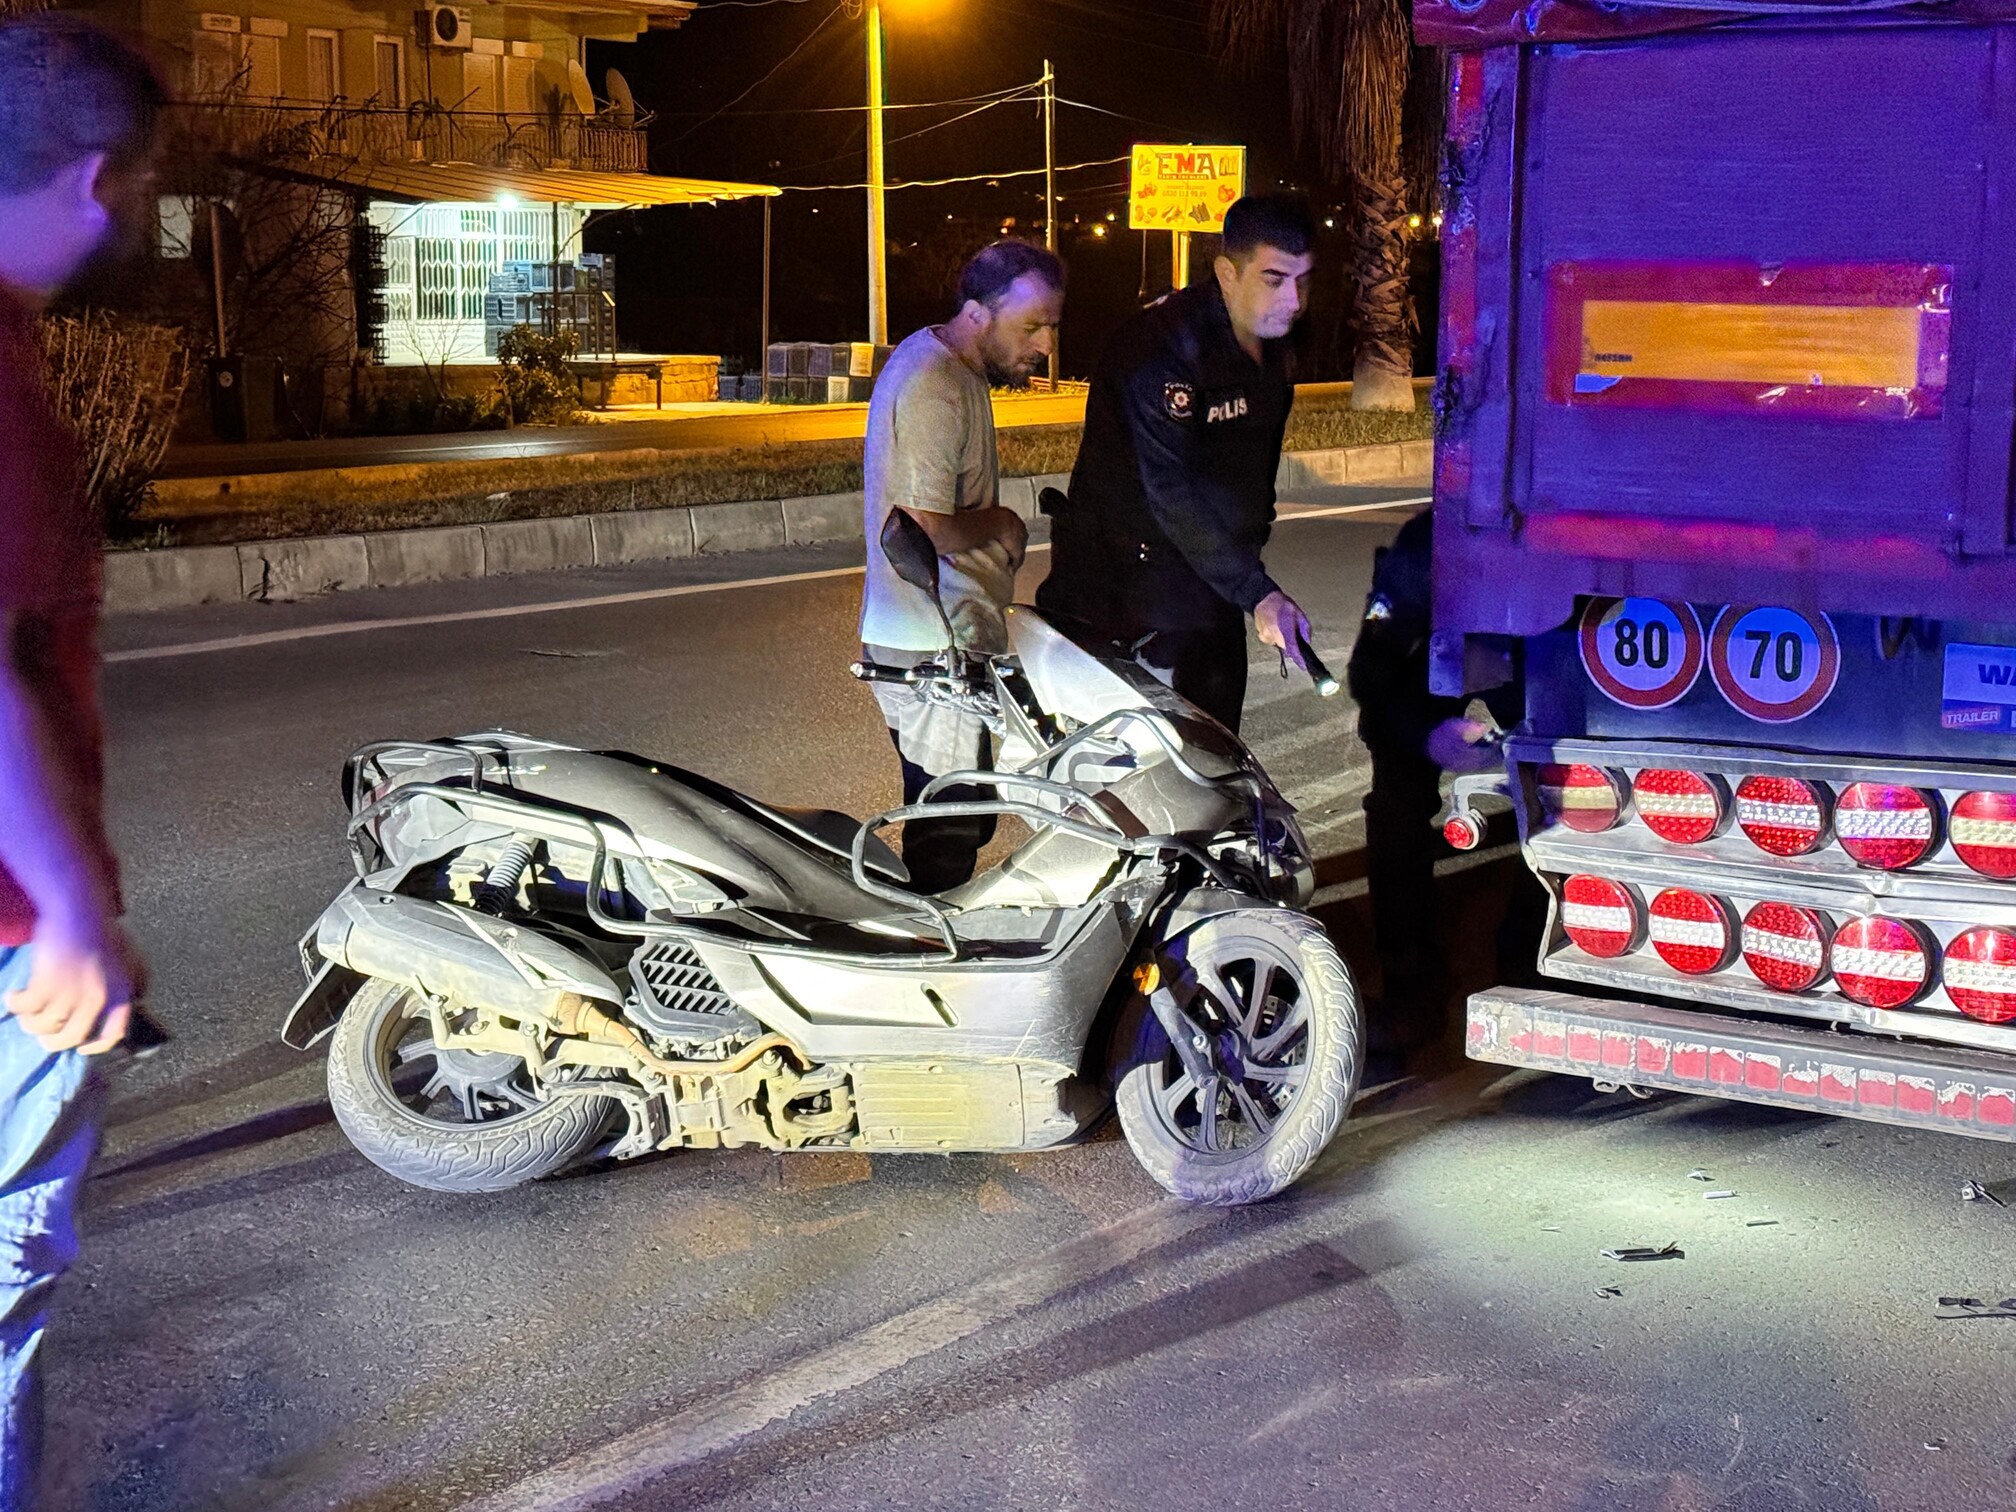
(78, 992)
(970, 528)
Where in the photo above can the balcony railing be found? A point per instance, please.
(367, 135)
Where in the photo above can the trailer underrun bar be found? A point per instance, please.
(1639, 1044)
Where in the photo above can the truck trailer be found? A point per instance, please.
(1725, 412)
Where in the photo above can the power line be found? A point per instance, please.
(968, 178)
(991, 94)
(765, 79)
(922, 131)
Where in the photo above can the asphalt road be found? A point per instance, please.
(264, 1321)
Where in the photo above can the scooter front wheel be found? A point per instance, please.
(1283, 1063)
(449, 1120)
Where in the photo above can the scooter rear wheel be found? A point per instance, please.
(451, 1121)
(1285, 1066)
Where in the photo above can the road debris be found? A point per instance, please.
(1668, 1251)
(1952, 1308)
(1550, 1228)
(1760, 1223)
(1974, 1191)
(1609, 1291)
(1697, 1174)
(1716, 1195)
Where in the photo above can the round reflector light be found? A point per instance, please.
(1462, 832)
(1980, 974)
(1881, 963)
(1683, 807)
(1983, 828)
(1782, 815)
(1886, 826)
(1785, 947)
(1690, 931)
(1585, 798)
(1602, 917)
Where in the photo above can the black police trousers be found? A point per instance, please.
(1206, 665)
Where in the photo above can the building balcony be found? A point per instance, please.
(279, 133)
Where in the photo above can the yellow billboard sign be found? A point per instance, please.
(1184, 188)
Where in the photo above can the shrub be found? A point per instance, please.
(118, 382)
(538, 388)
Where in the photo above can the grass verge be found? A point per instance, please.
(347, 500)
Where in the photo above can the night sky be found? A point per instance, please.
(689, 279)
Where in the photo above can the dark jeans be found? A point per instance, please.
(1402, 847)
(1206, 665)
(942, 853)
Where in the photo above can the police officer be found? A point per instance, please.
(1172, 498)
(1413, 737)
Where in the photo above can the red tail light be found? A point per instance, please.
(1585, 798)
(1886, 826)
(1980, 974)
(1462, 832)
(1785, 947)
(1782, 815)
(1882, 963)
(1602, 917)
(1682, 807)
(1691, 931)
(1984, 833)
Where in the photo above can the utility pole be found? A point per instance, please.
(1050, 183)
(763, 347)
(878, 239)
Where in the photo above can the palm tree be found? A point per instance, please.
(1348, 69)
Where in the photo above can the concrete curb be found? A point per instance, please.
(182, 577)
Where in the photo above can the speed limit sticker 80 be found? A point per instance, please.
(1772, 664)
(1642, 653)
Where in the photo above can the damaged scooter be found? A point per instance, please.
(550, 954)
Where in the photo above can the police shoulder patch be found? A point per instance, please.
(1177, 399)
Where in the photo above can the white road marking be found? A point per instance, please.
(626, 1464)
(598, 601)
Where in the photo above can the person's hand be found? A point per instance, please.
(79, 994)
(1014, 536)
(1282, 625)
(1454, 746)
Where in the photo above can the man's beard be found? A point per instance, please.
(1008, 378)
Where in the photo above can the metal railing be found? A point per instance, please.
(373, 135)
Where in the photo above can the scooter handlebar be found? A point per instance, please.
(868, 671)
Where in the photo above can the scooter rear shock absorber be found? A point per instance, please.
(499, 890)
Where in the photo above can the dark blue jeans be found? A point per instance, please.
(941, 853)
(49, 1104)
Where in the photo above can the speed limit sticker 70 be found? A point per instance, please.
(1772, 664)
(1642, 653)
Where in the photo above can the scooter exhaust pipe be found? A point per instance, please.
(446, 951)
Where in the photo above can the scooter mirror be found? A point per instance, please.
(910, 551)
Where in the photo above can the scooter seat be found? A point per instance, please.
(831, 830)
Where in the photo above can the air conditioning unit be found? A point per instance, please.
(444, 26)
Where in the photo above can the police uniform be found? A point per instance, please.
(1388, 679)
(1172, 498)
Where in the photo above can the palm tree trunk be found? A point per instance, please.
(1383, 372)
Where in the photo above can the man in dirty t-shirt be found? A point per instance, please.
(930, 453)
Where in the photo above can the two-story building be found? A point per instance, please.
(368, 170)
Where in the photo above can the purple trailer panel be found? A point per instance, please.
(1752, 335)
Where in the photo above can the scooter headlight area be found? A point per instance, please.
(549, 954)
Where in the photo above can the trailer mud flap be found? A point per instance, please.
(1947, 1088)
